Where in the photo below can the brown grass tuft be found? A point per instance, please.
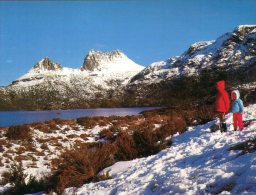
(21, 132)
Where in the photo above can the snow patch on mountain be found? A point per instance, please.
(198, 162)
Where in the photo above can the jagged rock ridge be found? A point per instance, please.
(46, 64)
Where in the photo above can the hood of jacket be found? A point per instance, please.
(237, 93)
(220, 86)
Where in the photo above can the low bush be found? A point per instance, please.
(146, 142)
(80, 164)
(106, 134)
(87, 122)
(17, 178)
(42, 127)
(126, 147)
(21, 132)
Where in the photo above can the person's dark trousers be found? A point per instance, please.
(223, 125)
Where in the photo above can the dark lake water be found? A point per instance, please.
(8, 118)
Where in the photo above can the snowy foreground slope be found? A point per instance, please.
(198, 162)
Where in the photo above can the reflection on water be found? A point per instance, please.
(8, 118)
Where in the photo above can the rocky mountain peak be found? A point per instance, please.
(94, 59)
(245, 29)
(46, 64)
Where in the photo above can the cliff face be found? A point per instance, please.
(96, 60)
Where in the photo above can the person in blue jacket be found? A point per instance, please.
(237, 109)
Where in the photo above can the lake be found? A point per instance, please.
(8, 118)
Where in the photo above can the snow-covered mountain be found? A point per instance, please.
(229, 52)
(191, 77)
(106, 66)
(198, 162)
(60, 87)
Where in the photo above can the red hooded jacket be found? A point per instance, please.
(222, 98)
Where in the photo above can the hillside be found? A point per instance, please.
(74, 152)
(197, 162)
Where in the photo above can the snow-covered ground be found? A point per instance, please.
(37, 155)
(198, 162)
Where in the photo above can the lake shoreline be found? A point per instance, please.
(21, 117)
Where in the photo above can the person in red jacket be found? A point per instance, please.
(222, 104)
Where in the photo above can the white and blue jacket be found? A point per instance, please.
(237, 105)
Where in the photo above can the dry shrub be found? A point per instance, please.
(21, 150)
(3, 142)
(113, 118)
(87, 122)
(58, 121)
(179, 123)
(33, 165)
(29, 147)
(156, 119)
(205, 114)
(20, 132)
(80, 164)
(90, 122)
(40, 153)
(146, 142)
(2, 131)
(52, 125)
(17, 177)
(42, 140)
(115, 128)
(52, 140)
(84, 136)
(44, 146)
(106, 133)
(126, 147)
(21, 158)
(6, 155)
(42, 127)
(72, 136)
(67, 122)
(78, 142)
(1, 165)
(75, 127)
(1, 148)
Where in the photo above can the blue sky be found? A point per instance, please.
(145, 30)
